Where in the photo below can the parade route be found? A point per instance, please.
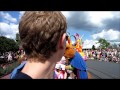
(103, 70)
(98, 70)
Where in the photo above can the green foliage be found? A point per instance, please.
(103, 43)
(7, 44)
(8, 69)
(18, 39)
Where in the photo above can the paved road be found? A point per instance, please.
(103, 70)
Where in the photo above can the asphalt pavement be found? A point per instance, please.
(103, 70)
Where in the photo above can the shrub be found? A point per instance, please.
(8, 69)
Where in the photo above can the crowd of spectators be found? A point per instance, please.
(9, 57)
(108, 55)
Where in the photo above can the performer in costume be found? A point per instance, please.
(60, 72)
(75, 63)
(79, 45)
(74, 59)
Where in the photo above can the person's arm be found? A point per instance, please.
(69, 67)
(65, 75)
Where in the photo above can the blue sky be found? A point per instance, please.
(14, 14)
(93, 24)
(86, 34)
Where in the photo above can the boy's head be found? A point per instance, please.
(42, 33)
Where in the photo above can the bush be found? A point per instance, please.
(8, 69)
(1, 71)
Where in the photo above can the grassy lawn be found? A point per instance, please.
(8, 69)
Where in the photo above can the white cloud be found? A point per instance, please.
(8, 36)
(8, 30)
(108, 35)
(4, 27)
(66, 14)
(21, 13)
(90, 43)
(8, 17)
(116, 14)
(92, 19)
(73, 42)
(96, 17)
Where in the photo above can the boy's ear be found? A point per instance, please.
(62, 42)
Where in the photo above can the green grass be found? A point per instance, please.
(8, 69)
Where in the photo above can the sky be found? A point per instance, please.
(92, 25)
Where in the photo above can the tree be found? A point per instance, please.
(93, 47)
(7, 44)
(18, 38)
(103, 43)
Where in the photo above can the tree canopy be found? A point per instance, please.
(103, 43)
(7, 44)
(18, 38)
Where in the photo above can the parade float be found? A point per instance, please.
(72, 65)
(78, 43)
(75, 67)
